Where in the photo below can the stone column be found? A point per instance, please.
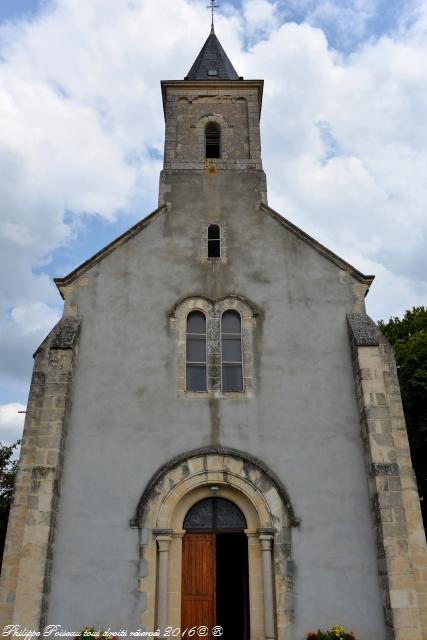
(163, 538)
(266, 538)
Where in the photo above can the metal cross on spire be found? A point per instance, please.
(213, 7)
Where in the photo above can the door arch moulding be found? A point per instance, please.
(263, 500)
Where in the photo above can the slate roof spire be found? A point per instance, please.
(212, 63)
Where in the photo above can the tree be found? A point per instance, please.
(408, 336)
(7, 479)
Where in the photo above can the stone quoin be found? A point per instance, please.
(214, 432)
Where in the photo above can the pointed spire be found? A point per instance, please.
(212, 63)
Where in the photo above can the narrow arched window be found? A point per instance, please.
(196, 352)
(231, 351)
(214, 241)
(213, 140)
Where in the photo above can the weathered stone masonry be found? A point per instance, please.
(128, 393)
(401, 547)
(270, 516)
(25, 578)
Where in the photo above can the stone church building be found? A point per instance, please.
(214, 432)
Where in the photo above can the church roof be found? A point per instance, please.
(212, 63)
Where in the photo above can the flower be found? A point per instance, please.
(335, 633)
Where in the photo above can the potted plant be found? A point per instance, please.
(335, 633)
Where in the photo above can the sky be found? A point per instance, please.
(344, 139)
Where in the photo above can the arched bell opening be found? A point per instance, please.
(215, 579)
(212, 140)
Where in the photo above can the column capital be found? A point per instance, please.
(162, 532)
(163, 538)
(266, 537)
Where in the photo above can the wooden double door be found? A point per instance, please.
(215, 588)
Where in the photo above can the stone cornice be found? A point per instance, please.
(209, 85)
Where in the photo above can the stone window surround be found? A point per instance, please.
(204, 226)
(213, 310)
(224, 133)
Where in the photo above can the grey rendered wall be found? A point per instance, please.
(127, 419)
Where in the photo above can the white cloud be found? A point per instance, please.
(346, 148)
(35, 318)
(11, 422)
(349, 19)
(344, 137)
(23, 330)
(260, 17)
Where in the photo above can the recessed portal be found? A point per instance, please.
(232, 606)
(215, 569)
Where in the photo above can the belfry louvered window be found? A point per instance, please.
(213, 140)
(231, 351)
(196, 352)
(214, 241)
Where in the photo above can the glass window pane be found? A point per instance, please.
(214, 514)
(196, 349)
(196, 322)
(200, 515)
(230, 322)
(232, 379)
(213, 232)
(214, 248)
(228, 515)
(231, 349)
(196, 377)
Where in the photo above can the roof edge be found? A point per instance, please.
(105, 251)
(320, 248)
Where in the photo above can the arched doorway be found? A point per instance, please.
(215, 587)
(161, 518)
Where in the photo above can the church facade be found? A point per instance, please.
(214, 433)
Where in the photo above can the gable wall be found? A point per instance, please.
(127, 418)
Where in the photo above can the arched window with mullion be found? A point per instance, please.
(231, 351)
(196, 352)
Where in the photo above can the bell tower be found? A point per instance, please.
(212, 125)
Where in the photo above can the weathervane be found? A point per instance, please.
(212, 7)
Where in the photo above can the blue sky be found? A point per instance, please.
(343, 130)
(15, 9)
(385, 14)
(94, 232)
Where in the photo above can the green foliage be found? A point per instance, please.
(336, 633)
(7, 479)
(408, 336)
